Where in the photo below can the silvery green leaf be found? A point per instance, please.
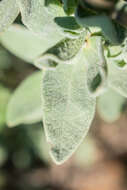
(117, 78)
(68, 109)
(69, 26)
(118, 54)
(114, 51)
(110, 105)
(8, 13)
(25, 44)
(96, 66)
(99, 24)
(25, 104)
(62, 52)
(39, 16)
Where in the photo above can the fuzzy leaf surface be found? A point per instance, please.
(25, 44)
(96, 64)
(68, 109)
(62, 52)
(8, 13)
(39, 16)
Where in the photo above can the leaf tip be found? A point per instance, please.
(59, 156)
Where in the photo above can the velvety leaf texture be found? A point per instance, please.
(67, 106)
(63, 52)
(35, 15)
(25, 44)
(25, 103)
(96, 64)
(8, 13)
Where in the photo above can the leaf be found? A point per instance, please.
(8, 13)
(96, 64)
(25, 44)
(69, 26)
(25, 104)
(118, 54)
(110, 105)
(68, 109)
(98, 24)
(69, 5)
(117, 78)
(63, 52)
(39, 16)
(4, 97)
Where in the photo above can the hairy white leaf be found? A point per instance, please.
(38, 16)
(96, 63)
(8, 13)
(62, 52)
(68, 108)
(25, 44)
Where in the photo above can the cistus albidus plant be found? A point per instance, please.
(80, 48)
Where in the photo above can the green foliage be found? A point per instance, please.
(25, 103)
(68, 108)
(4, 97)
(8, 13)
(110, 105)
(82, 49)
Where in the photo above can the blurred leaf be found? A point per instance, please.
(99, 24)
(26, 45)
(4, 97)
(96, 63)
(25, 103)
(114, 51)
(38, 140)
(5, 59)
(69, 5)
(117, 78)
(110, 105)
(118, 54)
(8, 13)
(63, 52)
(68, 109)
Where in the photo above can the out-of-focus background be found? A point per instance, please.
(100, 163)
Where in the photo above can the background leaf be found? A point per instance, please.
(25, 104)
(4, 97)
(110, 105)
(117, 78)
(98, 24)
